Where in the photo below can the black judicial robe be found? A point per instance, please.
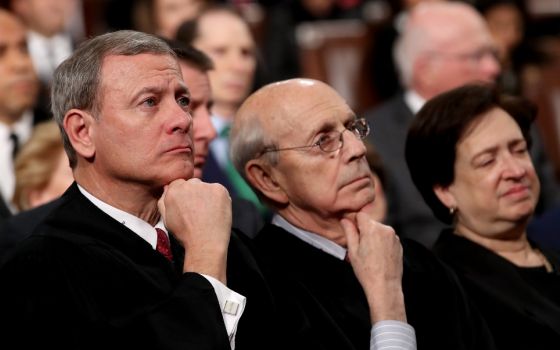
(521, 305)
(82, 280)
(322, 305)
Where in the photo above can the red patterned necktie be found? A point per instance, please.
(163, 246)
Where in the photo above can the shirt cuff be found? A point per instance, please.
(394, 335)
(232, 305)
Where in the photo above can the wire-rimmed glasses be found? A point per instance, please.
(330, 141)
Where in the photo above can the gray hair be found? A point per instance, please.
(77, 81)
(413, 42)
(247, 140)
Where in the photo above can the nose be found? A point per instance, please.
(204, 129)
(242, 62)
(20, 60)
(353, 145)
(180, 120)
(515, 168)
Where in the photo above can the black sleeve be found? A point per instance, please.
(75, 297)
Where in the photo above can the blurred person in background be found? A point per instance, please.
(280, 47)
(384, 75)
(163, 17)
(467, 151)
(43, 174)
(48, 37)
(444, 45)
(222, 34)
(506, 20)
(18, 97)
(42, 169)
(195, 66)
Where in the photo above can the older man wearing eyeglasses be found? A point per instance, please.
(336, 274)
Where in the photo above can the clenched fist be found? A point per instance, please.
(199, 216)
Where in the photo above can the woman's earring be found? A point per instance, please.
(452, 211)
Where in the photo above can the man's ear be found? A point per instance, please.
(445, 196)
(78, 126)
(261, 177)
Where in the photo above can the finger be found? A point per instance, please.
(161, 205)
(351, 232)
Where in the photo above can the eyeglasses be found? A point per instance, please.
(332, 140)
(475, 56)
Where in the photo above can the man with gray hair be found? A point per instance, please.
(444, 45)
(102, 269)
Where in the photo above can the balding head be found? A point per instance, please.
(445, 45)
(271, 113)
(299, 145)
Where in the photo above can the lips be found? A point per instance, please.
(516, 191)
(24, 85)
(180, 149)
(359, 179)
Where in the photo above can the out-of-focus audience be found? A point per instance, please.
(43, 174)
(163, 17)
(48, 39)
(18, 97)
(384, 74)
(280, 47)
(467, 151)
(42, 169)
(225, 37)
(432, 61)
(195, 66)
(506, 20)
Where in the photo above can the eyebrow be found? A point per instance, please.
(158, 90)
(330, 125)
(494, 149)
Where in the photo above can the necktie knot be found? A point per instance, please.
(163, 246)
(15, 143)
(225, 132)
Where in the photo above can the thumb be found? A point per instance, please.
(352, 235)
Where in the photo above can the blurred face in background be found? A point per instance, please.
(456, 48)
(59, 181)
(47, 17)
(170, 14)
(229, 43)
(505, 24)
(203, 131)
(18, 82)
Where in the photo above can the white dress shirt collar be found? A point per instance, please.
(220, 145)
(311, 238)
(134, 223)
(414, 101)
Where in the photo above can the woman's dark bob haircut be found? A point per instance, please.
(432, 139)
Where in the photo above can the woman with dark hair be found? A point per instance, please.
(467, 152)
